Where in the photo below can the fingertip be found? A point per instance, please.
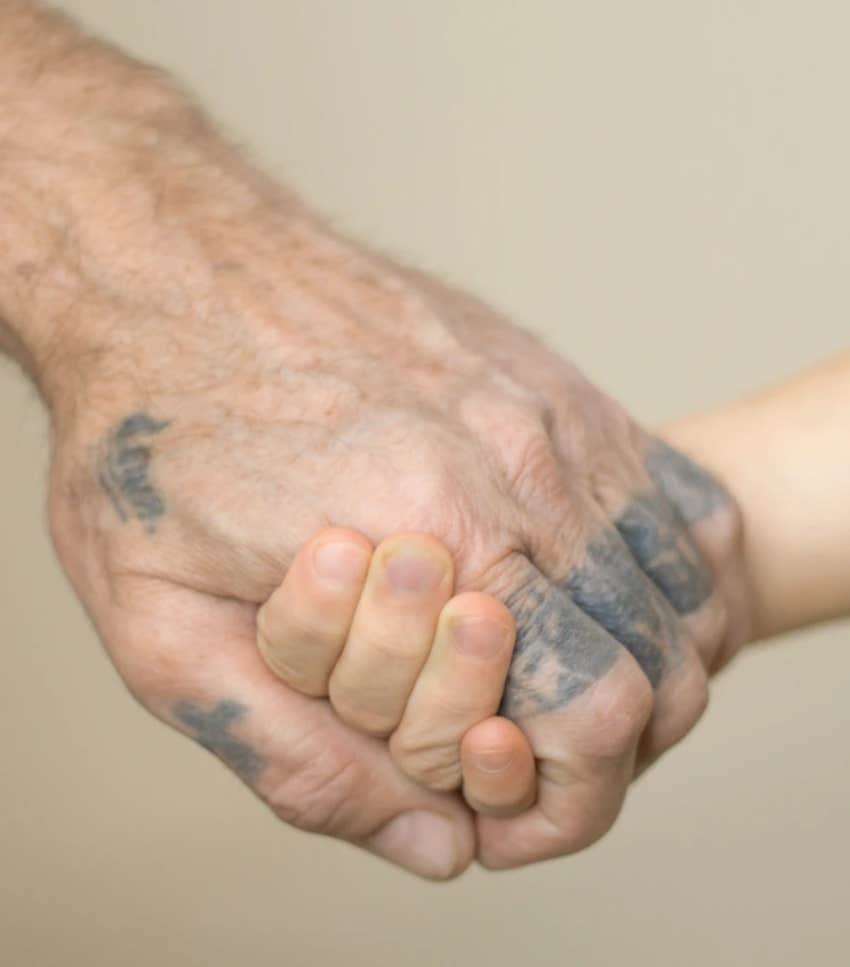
(479, 604)
(498, 768)
(337, 557)
(301, 628)
(417, 563)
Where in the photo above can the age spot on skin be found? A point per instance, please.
(125, 470)
(212, 731)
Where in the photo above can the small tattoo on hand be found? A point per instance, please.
(211, 729)
(125, 470)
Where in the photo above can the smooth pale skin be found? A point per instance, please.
(783, 452)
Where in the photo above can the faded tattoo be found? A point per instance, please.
(627, 591)
(613, 590)
(125, 470)
(665, 550)
(694, 492)
(559, 651)
(212, 730)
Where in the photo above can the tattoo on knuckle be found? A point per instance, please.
(666, 552)
(559, 651)
(692, 490)
(612, 590)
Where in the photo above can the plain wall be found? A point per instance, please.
(662, 188)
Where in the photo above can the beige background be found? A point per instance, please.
(660, 186)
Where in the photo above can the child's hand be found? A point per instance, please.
(378, 631)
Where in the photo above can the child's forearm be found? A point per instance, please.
(785, 454)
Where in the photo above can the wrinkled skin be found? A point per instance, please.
(267, 378)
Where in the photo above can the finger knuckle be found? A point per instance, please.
(304, 680)
(680, 713)
(360, 715)
(433, 765)
(532, 463)
(518, 421)
(618, 712)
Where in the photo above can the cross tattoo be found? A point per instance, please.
(212, 731)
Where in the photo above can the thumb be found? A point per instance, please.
(192, 660)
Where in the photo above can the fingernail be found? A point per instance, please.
(479, 637)
(340, 562)
(492, 761)
(416, 573)
(422, 842)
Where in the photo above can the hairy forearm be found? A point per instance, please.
(114, 191)
(61, 95)
(784, 454)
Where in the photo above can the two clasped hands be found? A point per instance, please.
(399, 565)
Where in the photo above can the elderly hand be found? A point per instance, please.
(226, 375)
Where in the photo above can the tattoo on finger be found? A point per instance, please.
(212, 730)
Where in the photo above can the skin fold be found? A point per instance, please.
(226, 375)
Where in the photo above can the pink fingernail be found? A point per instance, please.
(417, 573)
(479, 637)
(492, 761)
(340, 562)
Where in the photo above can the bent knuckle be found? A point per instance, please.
(306, 681)
(678, 714)
(618, 712)
(433, 765)
(359, 715)
(532, 463)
